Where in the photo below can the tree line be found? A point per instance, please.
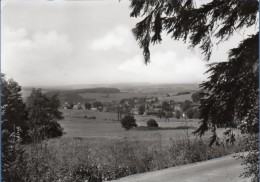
(24, 122)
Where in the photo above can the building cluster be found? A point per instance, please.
(140, 106)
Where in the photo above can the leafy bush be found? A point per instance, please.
(86, 172)
(141, 109)
(13, 160)
(13, 112)
(178, 114)
(54, 129)
(43, 113)
(190, 113)
(251, 159)
(152, 123)
(128, 122)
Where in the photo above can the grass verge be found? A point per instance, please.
(80, 159)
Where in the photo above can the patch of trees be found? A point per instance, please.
(128, 122)
(39, 111)
(97, 104)
(193, 113)
(185, 105)
(88, 105)
(88, 90)
(183, 93)
(74, 96)
(22, 122)
(152, 123)
(13, 110)
(103, 90)
(166, 106)
(161, 114)
(178, 114)
(141, 109)
(66, 97)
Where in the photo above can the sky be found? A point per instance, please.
(90, 42)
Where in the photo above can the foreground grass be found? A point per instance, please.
(78, 159)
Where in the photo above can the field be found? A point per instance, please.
(115, 96)
(107, 127)
(176, 98)
(98, 150)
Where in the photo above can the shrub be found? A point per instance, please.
(190, 113)
(178, 114)
(152, 123)
(251, 159)
(13, 112)
(54, 129)
(13, 160)
(141, 110)
(128, 122)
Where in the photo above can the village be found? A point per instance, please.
(161, 108)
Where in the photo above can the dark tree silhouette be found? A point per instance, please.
(87, 106)
(128, 122)
(13, 113)
(43, 114)
(165, 106)
(185, 105)
(141, 109)
(178, 114)
(231, 97)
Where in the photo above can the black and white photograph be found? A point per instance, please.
(129, 90)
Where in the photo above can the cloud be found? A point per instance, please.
(165, 67)
(119, 37)
(27, 55)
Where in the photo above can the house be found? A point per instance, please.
(149, 100)
(134, 111)
(157, 109)
(174, 114)
(151, 112)
(78, 106)
(68, 105)
(157, 105)
(177, 107)
(100, 108)
(105, 109)
(93, 109)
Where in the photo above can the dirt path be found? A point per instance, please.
(225, 169)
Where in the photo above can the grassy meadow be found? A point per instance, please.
(97, 150)
(106, 125)
(177, 98)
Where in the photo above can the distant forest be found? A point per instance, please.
(74, 95)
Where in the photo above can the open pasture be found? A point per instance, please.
(177, 98)
(108, 97)
(106, 126)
